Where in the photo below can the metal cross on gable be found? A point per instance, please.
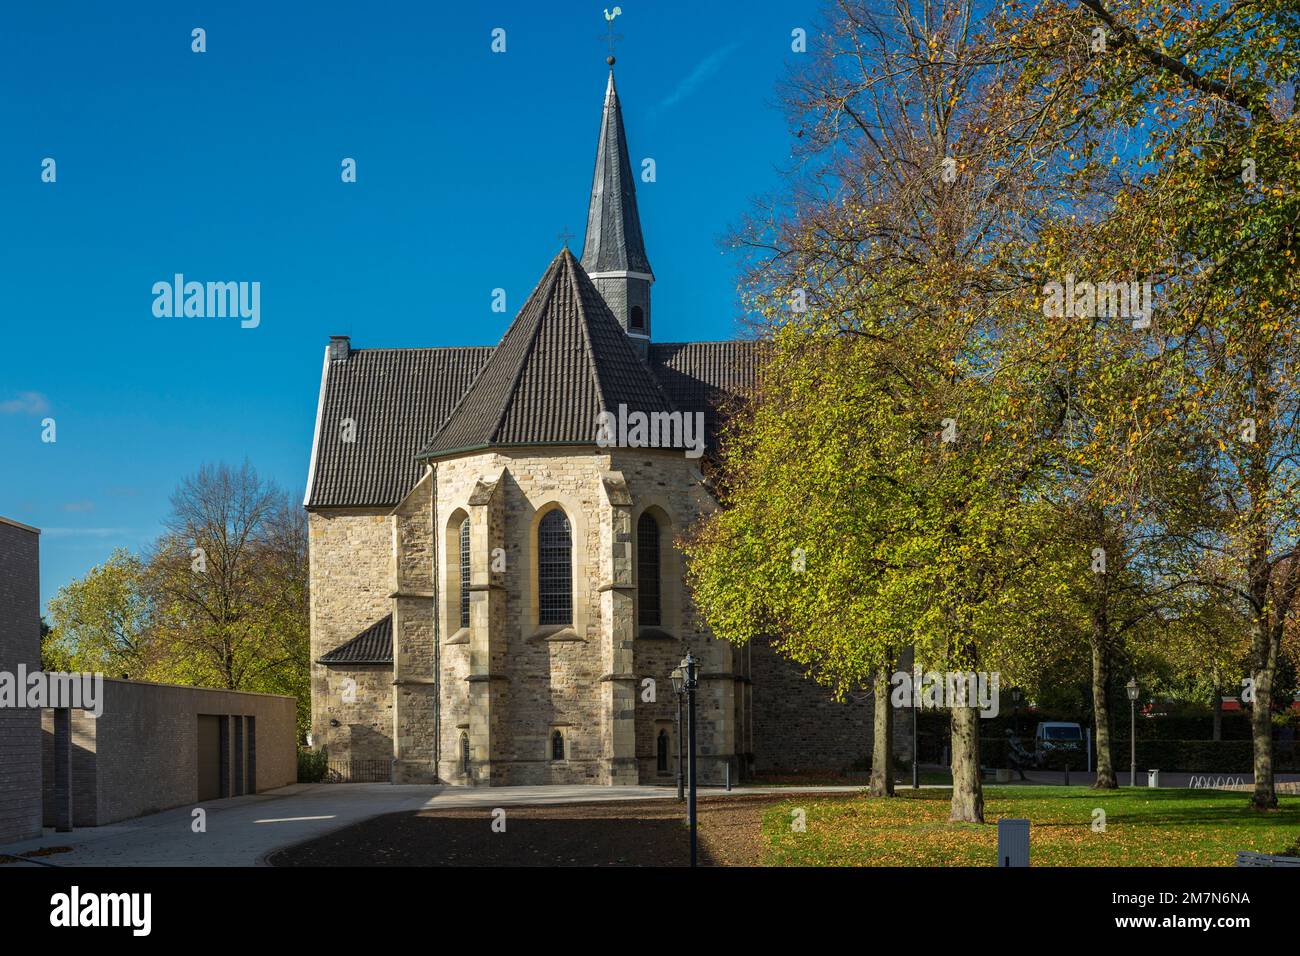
(565, 236)
(610, 36)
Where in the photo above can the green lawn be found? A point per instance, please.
(1164, 827)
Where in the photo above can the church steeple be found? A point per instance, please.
(613, 251)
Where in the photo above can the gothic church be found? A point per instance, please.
(491, 587)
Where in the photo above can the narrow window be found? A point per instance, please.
(464, 573)
(557, 746)
(661, 751)
(638, 318)
(647, 559)
(554, 569)
(464, 753)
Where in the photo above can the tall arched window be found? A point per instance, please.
(557, 746)
(661, 752)
(637, 318)
(647, 563)
(554, 569)
(464, 573)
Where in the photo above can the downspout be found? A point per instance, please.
(437, 631)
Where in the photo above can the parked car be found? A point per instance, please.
(1056, 736)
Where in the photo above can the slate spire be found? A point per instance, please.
(613, 252)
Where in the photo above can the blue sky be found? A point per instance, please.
(225, 166)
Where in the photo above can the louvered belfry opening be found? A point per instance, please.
(647, 559)
(554, 569)
(464, 573)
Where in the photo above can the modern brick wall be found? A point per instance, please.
(141, 754)
(20, 643)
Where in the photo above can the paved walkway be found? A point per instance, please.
(242, 831)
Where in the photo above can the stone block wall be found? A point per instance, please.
(573, 679)
(415, 649)
(365, 730)
(505, 684)
(350, 555)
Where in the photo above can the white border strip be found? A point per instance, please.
(315, 435)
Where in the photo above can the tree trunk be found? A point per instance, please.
(967, 790)
(882, 751)
(1216, 708)
(1101, 712)
(1261, 717)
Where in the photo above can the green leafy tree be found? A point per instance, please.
(102, 621)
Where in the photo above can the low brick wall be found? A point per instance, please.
(141, 755)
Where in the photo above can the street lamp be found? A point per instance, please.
(679, 685)
(690, 683)
(1132, 688)
(916, 747)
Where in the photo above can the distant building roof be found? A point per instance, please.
(374, 645)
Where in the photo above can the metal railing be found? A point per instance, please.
(359, 771)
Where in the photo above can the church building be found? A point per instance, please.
(496, 592)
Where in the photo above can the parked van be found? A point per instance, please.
(1055, 736)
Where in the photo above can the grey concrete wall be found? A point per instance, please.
(20, 643)
(141, 754)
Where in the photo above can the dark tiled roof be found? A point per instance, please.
(398, 399)
(701, 376)
(562, 362)
(374, 645)
(613, 242)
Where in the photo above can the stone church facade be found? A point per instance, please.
(496, 596)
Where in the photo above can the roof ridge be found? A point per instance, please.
(420, 348)
(538, 313)
(590, 347)
(455, 409)
(583, 321)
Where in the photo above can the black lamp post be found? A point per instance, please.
(1015, 709)
(916, 747)
(690, 684)
(679, 685)
(1132, 688)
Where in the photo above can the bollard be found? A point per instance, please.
(1013, 842)
(1067, 774)
(726, 770)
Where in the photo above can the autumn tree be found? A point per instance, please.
(229, 582)
(903, 234)
(1200, 102)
